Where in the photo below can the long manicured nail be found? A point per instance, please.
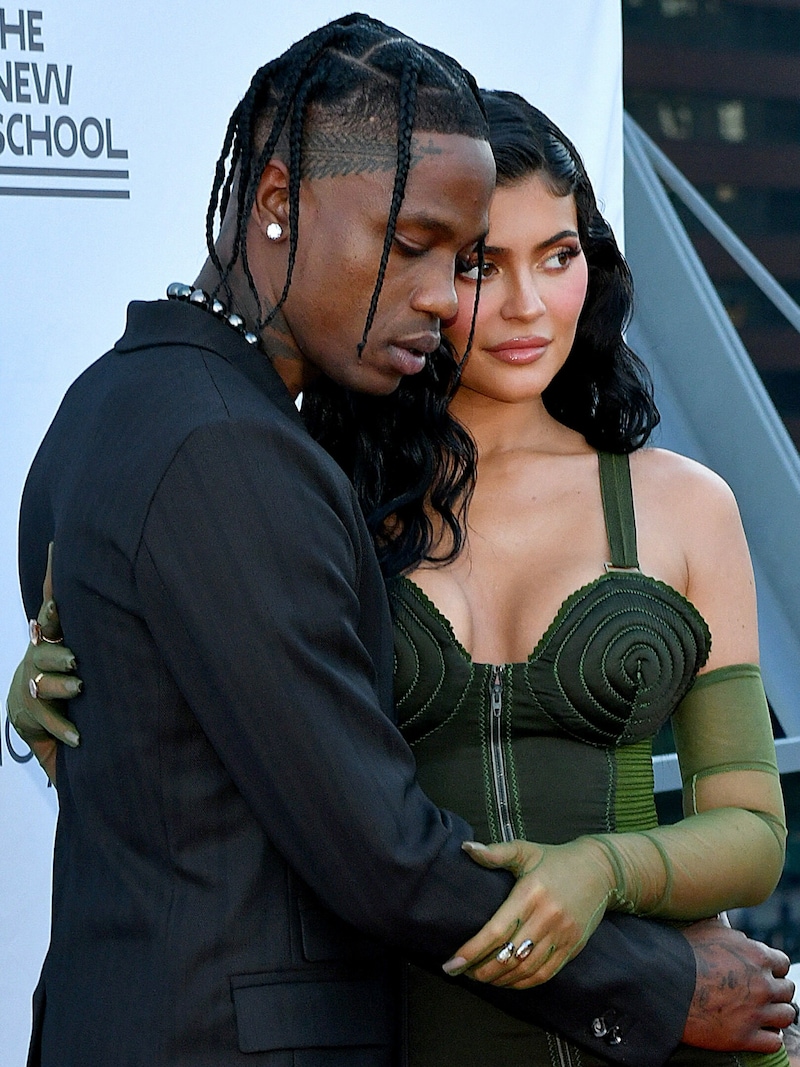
(454, 965)
(72, 738)
(473, 846)
(73, 686)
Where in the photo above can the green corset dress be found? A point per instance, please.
(548, 749)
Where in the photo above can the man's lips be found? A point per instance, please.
(424, 343)
(407, 355)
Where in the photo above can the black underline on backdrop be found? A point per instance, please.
(83, 194)
(64, 172)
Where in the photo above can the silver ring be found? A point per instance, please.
(33, 685)
(506, 952)
(524, 949)
(37, 636)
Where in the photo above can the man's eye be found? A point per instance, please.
(412, 251)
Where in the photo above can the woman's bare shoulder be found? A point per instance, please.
(680, 485)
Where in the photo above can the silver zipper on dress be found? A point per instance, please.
(503, 804)
(498, 760)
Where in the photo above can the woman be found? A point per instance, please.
(540, 453)
(534, 669)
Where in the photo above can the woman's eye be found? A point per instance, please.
(561, 258)
(468, 270)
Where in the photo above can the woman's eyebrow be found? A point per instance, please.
(496, 250)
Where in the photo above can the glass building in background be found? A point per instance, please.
(716, 84)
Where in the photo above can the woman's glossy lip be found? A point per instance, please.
(520, 350)
(515, 343)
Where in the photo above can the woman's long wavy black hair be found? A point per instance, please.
(412, 464)
(603, 390)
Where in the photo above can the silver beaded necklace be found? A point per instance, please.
(200, 298)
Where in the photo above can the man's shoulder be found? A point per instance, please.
(129, 415)
(164, 379)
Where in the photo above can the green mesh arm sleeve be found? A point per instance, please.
(729, 849)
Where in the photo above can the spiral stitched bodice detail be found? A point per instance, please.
(612, 666)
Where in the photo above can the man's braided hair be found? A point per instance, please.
(333, 103)
(347, 99)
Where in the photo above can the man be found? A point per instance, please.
(240, 826)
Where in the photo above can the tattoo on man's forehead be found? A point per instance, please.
(332, 154)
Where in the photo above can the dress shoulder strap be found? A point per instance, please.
(617, 494)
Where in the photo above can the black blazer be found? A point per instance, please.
(240, 834)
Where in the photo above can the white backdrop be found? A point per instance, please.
(111, 119)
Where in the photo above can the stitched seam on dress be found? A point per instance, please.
(450, 717)
(611, 791)
(632, 719)
(406, 632)
(422, 598)
(424, 707)
(511, 767)
(642, 583)
(558, 723)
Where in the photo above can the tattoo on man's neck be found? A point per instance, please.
(331, 154)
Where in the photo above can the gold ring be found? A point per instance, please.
(33, 685)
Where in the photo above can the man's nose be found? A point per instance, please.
(436, 293)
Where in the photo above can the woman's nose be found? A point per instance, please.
(524, 300)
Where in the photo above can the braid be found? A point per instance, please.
(219, 179)
(226, 192)
(247, 190)
(473, 321)
(351, 83)
(309, 51)
(349, 69)
(295, 154)
(243, 121)
(405, 124)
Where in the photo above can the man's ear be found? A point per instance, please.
(271, 204)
